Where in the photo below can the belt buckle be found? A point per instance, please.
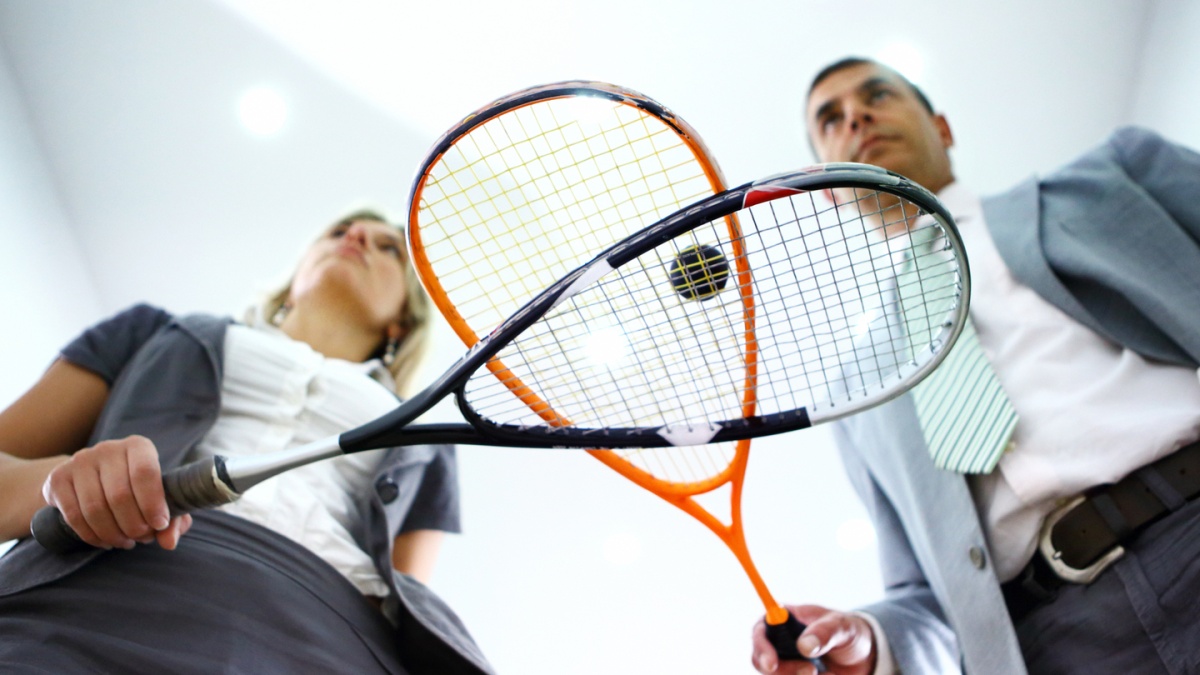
(1053, 556)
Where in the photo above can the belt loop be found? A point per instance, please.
(1166, 493)
(1111, 514)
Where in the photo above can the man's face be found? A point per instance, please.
(868, 114)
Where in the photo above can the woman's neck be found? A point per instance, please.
(332, 333)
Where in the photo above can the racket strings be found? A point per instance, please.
(828, 327)
(536, 191)
(690, 469)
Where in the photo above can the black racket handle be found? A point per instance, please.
(200, 485)
(783, 638)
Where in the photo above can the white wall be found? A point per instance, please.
(174, 201)
(46, 286)
(1166, 97)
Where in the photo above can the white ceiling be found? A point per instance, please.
(133, 100)
(133, 105)
(1012, 74)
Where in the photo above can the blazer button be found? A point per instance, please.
(977, 557)
(387, 489)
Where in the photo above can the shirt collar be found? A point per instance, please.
(372, 368)
(962, 203)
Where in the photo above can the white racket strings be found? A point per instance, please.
(808, 317)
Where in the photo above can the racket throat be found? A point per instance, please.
(245, 472)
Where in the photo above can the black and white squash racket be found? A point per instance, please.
(687, 332)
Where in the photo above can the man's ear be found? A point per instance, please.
(943, 128)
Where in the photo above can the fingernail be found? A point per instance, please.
(160, 523)
(128, 544)
(808, 645)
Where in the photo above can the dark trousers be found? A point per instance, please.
(233, 598)
(1142, 616)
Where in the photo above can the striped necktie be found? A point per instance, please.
(965, 415)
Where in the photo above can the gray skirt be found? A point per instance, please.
(232, 598)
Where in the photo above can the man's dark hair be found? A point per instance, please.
(850, 62)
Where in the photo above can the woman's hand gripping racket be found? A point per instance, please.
(528, 188)
(810, 324)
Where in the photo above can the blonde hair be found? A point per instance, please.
(414, 317)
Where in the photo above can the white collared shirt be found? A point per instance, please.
(279, 393)
(1090, 411)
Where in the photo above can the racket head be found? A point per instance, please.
(531, 185)
(615, 352)
(447, 252)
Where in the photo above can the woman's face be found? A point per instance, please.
(356, 263)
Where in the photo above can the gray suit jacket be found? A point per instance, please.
(1113, 240)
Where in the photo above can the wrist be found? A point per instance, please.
(21, 483)
(882, 662)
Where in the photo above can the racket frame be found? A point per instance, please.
(391, 429)
(507, 104)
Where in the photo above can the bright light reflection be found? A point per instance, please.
(592, 113)
(606, 346)
(906, 58)
(864, 323)
(263, 111)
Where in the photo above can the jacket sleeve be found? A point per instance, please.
(1168, 172)
(920, 638)
(436, 504)
(108, 346)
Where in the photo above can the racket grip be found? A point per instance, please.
(783, 638)
(200, 485)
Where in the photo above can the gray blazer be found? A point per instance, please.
(1113, 240)
(164, 375)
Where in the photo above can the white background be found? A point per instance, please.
(126, 175)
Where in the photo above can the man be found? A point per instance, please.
(1086, 302)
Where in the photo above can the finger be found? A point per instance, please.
(95, 509)
(839, 638)
(762, 654)
(766, 660)
(145, 478)
(59, 492)
(808, 614)
(118, 493)
(168, 538)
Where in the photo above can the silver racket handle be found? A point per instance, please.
(202, 484)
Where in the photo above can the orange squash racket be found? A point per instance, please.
(528, 188)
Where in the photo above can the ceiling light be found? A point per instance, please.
(262, 111)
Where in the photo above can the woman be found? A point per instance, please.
(316, 570)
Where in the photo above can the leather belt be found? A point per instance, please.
(1083, 538)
